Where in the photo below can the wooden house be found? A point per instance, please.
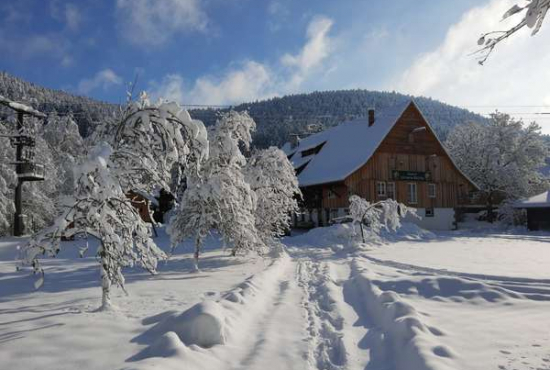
(392, 154)
(142, 202)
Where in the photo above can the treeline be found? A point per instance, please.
(86, 112)
(277, 118)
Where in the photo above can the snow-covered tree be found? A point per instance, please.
(502, 157)
(218, 197)
(153, 142)
(533, 17)
(375, 216)
(273, 179)
(99, 208)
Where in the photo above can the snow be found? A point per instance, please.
(537, 201)
(504, 255)
(470, 299)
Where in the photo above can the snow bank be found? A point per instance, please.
(343, 236)
(209, 324)
(414, 345)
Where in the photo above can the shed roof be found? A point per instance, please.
(537, 201)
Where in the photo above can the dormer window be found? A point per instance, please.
(313, 150)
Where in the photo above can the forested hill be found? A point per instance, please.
(276, 118)
(86, 112)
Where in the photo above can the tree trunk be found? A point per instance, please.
(362, 232)
(197, 255)
(490, 212)
(106, 290)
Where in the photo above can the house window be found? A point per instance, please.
(381, 189)
(429, 212)
(333, 213)
(411, 193)
(431, 190)
(332, 194)
(390, 189)
(346, 211)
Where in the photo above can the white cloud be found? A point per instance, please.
(102, 79)
(314, 52)
(252, 80)
(170, 88)
(516, 73)
(154, 22)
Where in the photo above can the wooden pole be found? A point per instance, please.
(18, 222)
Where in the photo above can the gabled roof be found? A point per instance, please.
(537, 201)
(347, 147)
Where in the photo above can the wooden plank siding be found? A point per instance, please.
(404, 149)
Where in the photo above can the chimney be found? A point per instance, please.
(371, 117)
(294, 140)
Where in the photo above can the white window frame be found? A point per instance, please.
(332, 194)
(392, 186)
(333, 213)
(381, 189)
(432, 190)
(412, 197)
(429, 212)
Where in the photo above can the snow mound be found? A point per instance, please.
(408, 231)
(415, 344)
(202, 324)
(344, 236)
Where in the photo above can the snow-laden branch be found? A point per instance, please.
(535, 12)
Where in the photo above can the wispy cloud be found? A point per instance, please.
(251, 80)
(67, 13)
(103, 79)
(154, 22)
(314, 52)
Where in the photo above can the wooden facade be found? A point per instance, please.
(409, 157)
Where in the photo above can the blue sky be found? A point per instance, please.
(229, 51)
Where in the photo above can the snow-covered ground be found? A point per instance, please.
(460, 300)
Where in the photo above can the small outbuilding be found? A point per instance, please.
(538, 211)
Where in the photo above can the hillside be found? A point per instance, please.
(86, 112)
(276, 118)
(279, 117)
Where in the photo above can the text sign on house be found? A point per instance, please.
(411, 176)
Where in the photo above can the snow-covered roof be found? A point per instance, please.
(537, 201)
(347, 147)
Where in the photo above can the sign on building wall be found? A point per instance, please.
(411, 176)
